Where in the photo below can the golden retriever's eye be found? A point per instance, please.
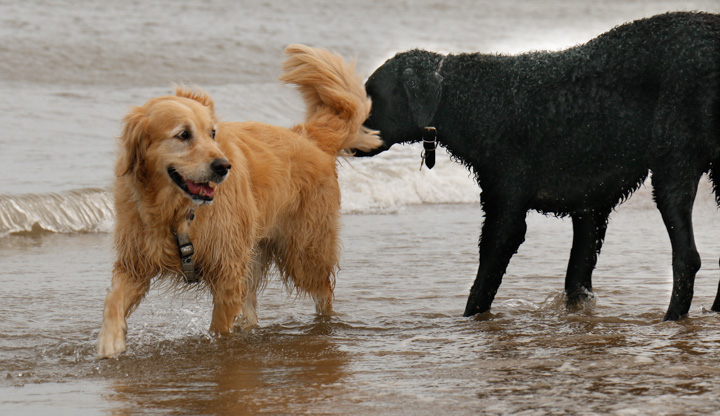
(184, 135)
(212, 133)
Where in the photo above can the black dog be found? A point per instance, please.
(570, 133)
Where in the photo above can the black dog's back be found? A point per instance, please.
(570, 133)
(599, 114)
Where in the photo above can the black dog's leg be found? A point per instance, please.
(674, 197)
(502, 233)
(715, 178)
(716, 304)
(588, 235)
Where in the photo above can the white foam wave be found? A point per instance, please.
(393, 179)
(380, 184)
(84, 210)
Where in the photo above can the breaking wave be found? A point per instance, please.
(381, 184)
(393, 179)
(83, 210)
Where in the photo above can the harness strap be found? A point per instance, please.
(187, 250)
(186, 258)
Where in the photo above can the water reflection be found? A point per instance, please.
(275, 370)
(398, 344)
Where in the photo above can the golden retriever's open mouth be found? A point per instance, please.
(201, 191)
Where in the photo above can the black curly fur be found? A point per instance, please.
(571, 133)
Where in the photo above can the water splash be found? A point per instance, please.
(393, 179)
(83, 210)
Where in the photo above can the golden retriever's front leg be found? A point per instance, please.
(227, 301)
(121, 300)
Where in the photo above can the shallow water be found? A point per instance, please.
(398, 343)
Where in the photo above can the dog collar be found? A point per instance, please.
(187, 250)
(429, 145)
(427, 157)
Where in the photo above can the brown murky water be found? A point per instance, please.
(397, 345)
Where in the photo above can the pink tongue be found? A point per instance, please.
(200, 188)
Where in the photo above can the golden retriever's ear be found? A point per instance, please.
(198, 95)
(133, 142)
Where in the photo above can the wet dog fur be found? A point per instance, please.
(264, 195)
(570, 133)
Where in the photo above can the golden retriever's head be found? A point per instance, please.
(171, 141)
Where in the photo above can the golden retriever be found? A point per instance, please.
(247, 195)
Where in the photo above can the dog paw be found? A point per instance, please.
(247, 324)
(111, 342)
(323, 305)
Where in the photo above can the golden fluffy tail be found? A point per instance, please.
(335, 98)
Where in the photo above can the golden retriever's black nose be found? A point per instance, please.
(220, 166)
